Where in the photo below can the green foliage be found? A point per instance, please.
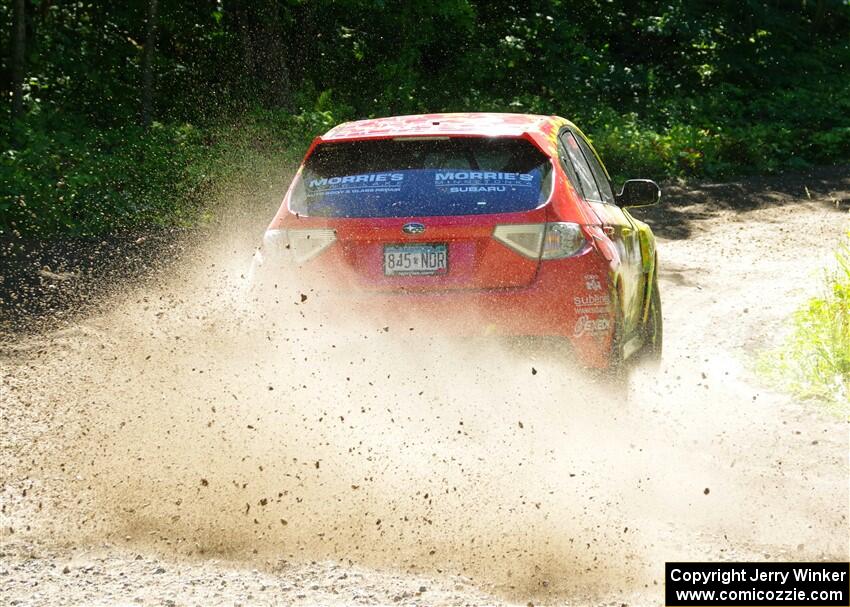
(79, 181)
(814, 361)
(83, 181)
(676, 88)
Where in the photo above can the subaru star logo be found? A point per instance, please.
(413, 228)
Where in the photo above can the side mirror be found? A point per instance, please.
(639, 193)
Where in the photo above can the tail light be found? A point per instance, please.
(296, 245)
(562, 239)
(554, 240)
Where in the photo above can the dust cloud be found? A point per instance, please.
(197, 417)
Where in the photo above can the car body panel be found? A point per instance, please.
(476, 260)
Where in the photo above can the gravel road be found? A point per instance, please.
(174, 445)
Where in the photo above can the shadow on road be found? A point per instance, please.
(683, 204)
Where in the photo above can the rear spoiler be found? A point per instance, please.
(534, 139)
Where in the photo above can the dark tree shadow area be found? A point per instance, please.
(682, 204)
(44, 283)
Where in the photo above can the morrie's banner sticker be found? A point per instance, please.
(421, 192)
(765, 584)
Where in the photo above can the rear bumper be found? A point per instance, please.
(568, 298)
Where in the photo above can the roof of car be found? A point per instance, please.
(470, 124)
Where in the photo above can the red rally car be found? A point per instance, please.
(511, 216)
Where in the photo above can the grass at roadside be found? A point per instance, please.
(814, 360)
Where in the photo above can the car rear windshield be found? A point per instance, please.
(422, 177)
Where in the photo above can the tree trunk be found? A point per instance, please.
(18, 58)
(265, 74)
(147, 65)
(274, 71)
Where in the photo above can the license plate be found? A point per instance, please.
(416, 259)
